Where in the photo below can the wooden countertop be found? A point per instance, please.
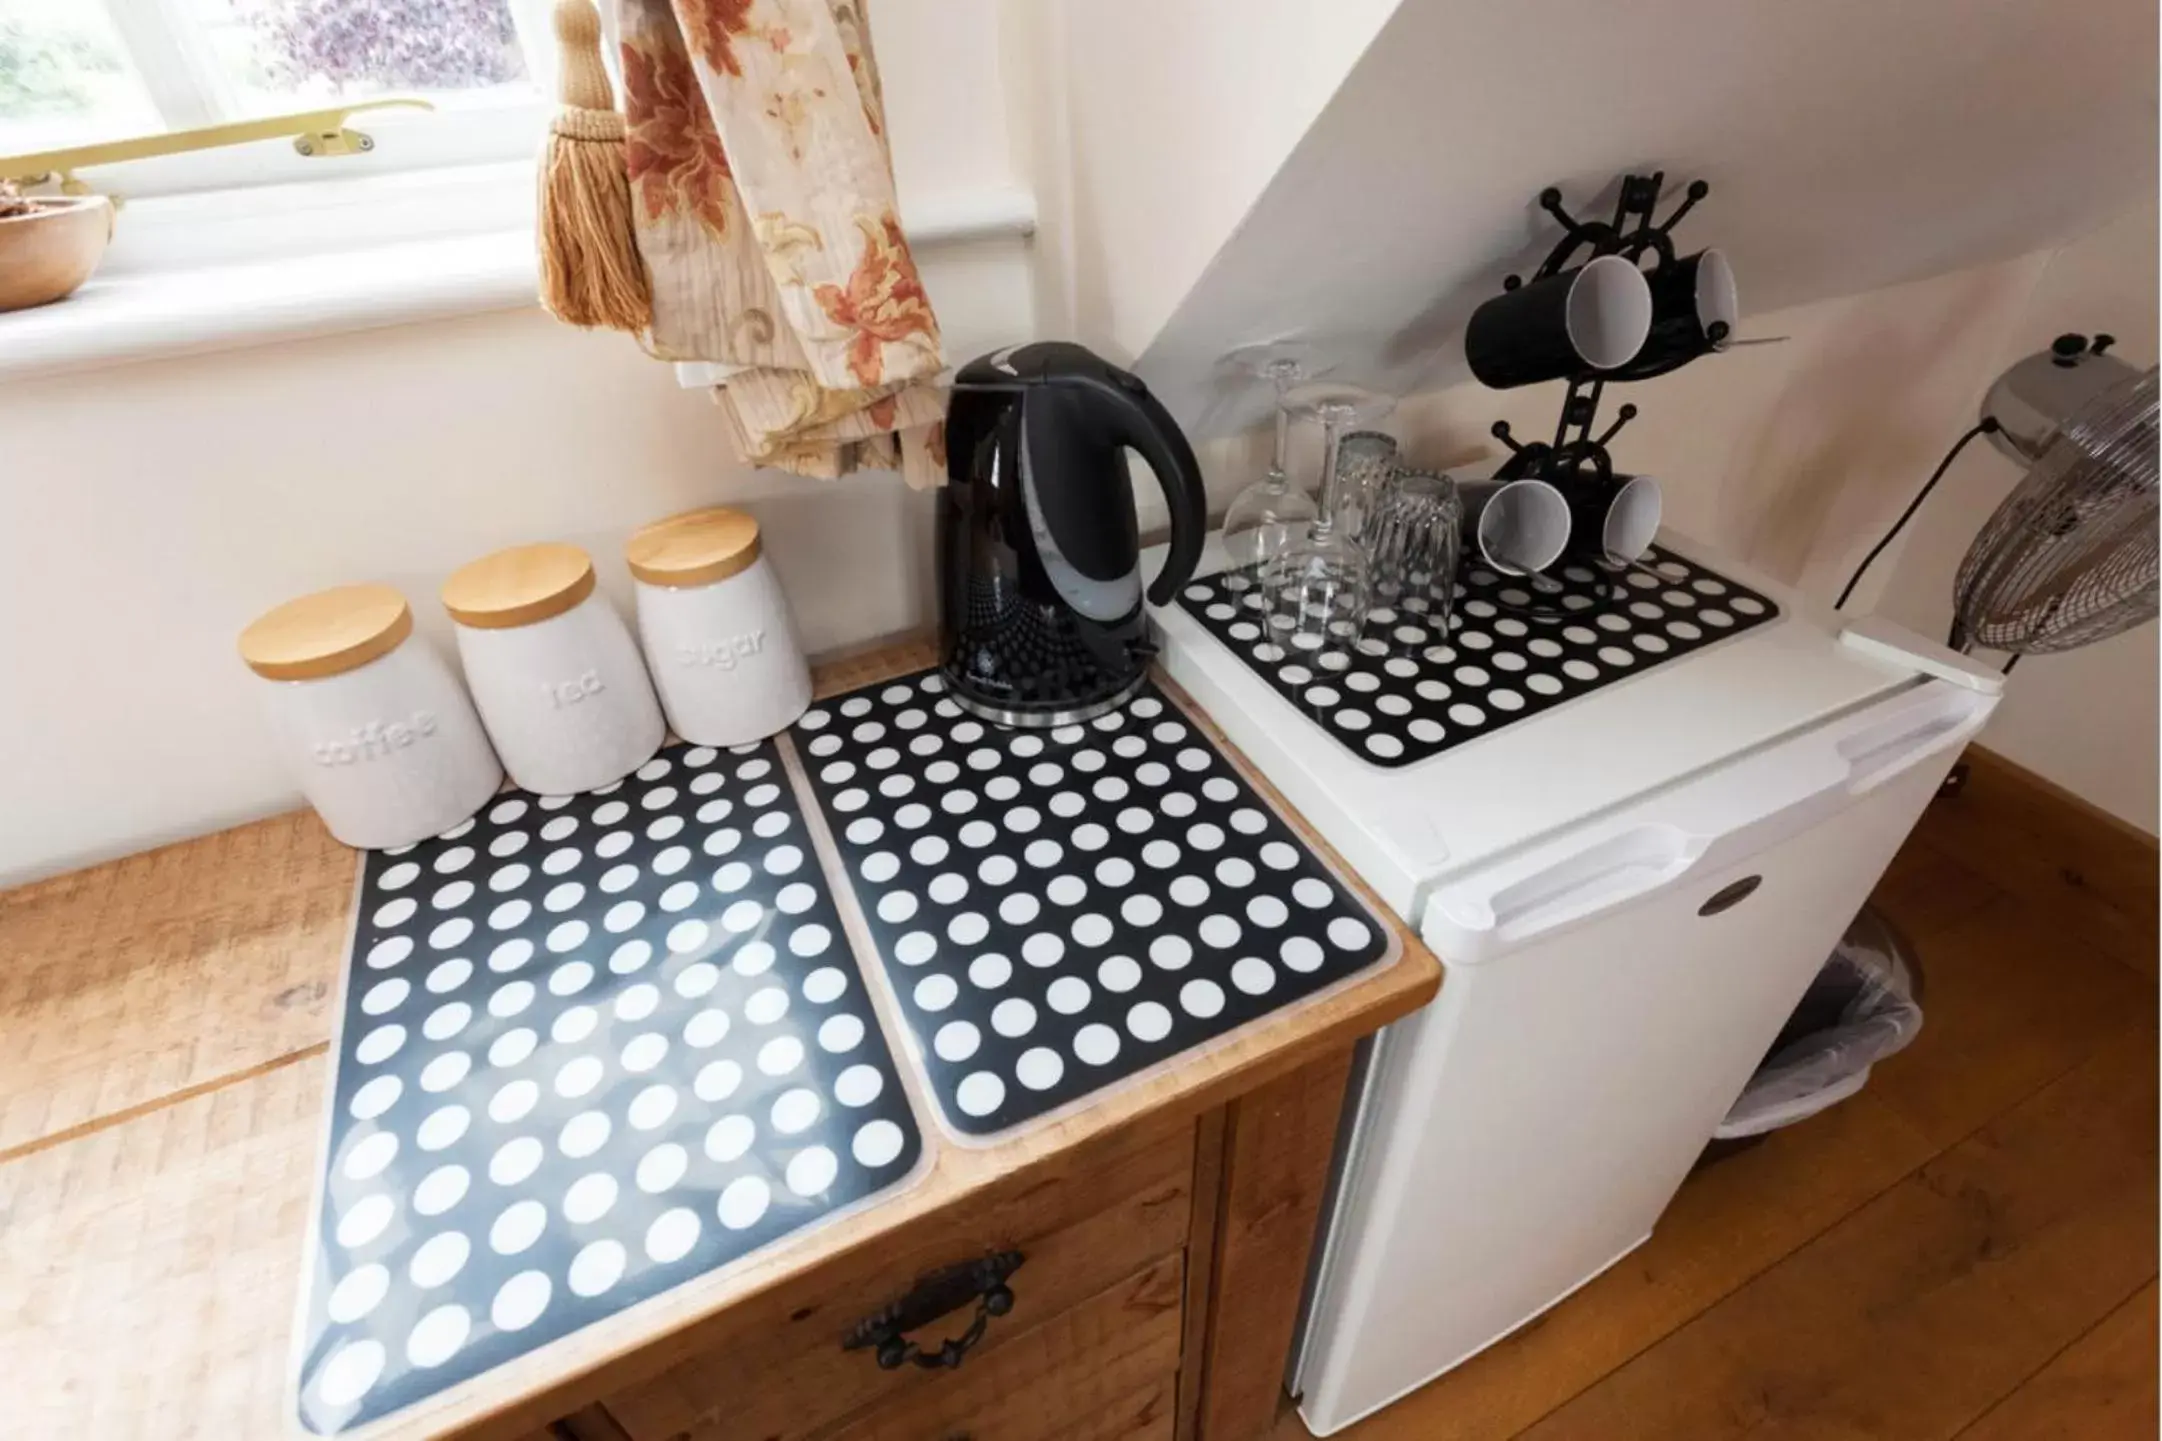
(164, 1027)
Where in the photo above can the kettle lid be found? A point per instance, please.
(1035, 363)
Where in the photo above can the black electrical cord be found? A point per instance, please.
(1987, 426)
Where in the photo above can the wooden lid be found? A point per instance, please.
(327, 633)
(698, 547)
(519, 586)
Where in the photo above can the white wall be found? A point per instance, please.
(147, 512)
(1851, 145)
(1154, 127)
(944, 64)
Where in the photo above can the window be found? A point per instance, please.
(78, 72)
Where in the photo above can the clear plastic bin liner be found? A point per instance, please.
(1860, 1009)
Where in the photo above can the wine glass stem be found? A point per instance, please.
(1283, 373)
(1332, 428)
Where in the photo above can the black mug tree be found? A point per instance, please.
(1676, 340)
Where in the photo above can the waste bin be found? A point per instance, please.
(1862, 1007)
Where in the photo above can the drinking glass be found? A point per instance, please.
(1323, 585)
(1267, 517)
(1414, 537)
(1367, 459)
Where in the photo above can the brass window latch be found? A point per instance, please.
(316, 134)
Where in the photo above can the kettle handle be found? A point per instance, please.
(1138, 419)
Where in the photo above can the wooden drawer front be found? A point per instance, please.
(772, 1369)
(1072, 1378)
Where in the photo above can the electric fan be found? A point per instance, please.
(2070, 556)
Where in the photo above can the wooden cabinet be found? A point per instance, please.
(160, 1185)
(777, 1371)
(1080, 1373)
(1161, 1272)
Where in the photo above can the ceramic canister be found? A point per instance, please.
(555, 672)
(716, 628)
(373, 724)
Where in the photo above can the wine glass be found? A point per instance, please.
(1323, 584)
(1267, 517)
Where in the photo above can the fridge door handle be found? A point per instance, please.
(1785, 792)
(1883, 752)
(1607, 873)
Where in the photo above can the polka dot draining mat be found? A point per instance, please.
(1059, 910)
(592, 1046)
(1401, 693)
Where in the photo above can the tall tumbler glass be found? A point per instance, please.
(1365, 459)
(1414, 540)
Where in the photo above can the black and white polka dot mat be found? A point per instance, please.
(592, 1046)
(1059, 910)
(1401, 693)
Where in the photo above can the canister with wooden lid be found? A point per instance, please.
(556, 675)
(374, 726)
(716, 628)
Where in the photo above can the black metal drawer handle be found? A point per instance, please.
(931, 1297)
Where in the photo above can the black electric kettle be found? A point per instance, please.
(1039, 556)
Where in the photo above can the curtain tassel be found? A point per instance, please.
(590, 269)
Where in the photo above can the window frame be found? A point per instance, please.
(188, 89)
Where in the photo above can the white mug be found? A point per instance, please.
(1521, 526)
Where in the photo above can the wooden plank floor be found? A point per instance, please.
(1965, 1249)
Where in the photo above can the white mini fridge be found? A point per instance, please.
(1629, 894)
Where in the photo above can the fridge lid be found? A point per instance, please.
(1669, 840)
(1403, 829)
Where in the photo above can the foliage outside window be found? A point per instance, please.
(79, 72)
(403, 44)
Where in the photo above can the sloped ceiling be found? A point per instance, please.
(1850, 144)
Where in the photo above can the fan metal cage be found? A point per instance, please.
(2070, 557)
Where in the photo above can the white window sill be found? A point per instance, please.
(159, 315)
(336, 260)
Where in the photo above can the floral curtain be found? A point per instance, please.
(762, 197)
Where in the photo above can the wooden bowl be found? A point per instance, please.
(44, 255)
